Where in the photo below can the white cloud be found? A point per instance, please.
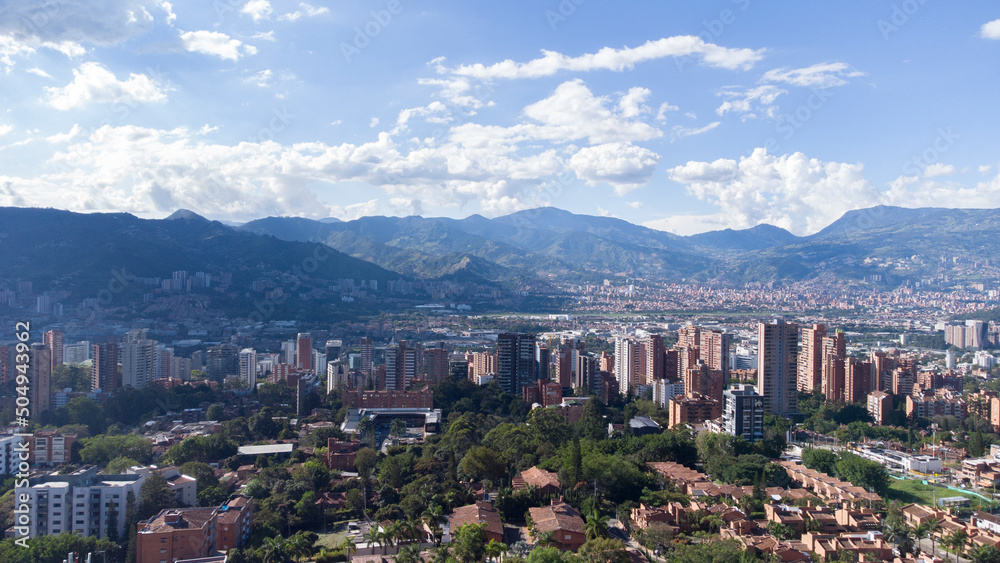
(792, 191)
(679, 131)
(552, 62)
(262, 78)
(38, 72)
(661, 114)
(985, 169)
(64, 137)
(169, 9)
(69, 23)
(820, 75)
(215, 43)
(5, 129)
(374, 122)
(623, 165)
(751, 103)
(206, 129)
(632, 103)
(939, 169)
(990, 30)
(634, 204)
(94, 83)
(305, 10)
(257, 9)
(573, 112)
(264, 36)
(688, 224)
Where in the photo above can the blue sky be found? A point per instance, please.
(685, 117)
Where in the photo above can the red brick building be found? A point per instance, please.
(366, 399)
(340, 455)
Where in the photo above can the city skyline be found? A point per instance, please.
(686, 119)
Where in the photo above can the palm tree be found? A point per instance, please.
(300, 546)
(412, 529)
(902, 535)
(348, 546)
(409, 554)
(494, 550)
(595, 526)
(921, 531)
(957, 541)
(372, 536)
(933, 529)
(276, 551)
(441, 554)
(434, 517)
(544, 538)
(984, 554)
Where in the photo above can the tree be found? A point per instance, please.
(111, 522)
(604, 550)
(120, 465)
(154, 496)
(957, 541)
(821, 460)
(975, 447)
(409, 554)
(984, 554)
(469, 543)
(275, 550)
(434, 517)
(596, 526)
(933, 527)
(902, 535)
(216, 413)
(494, 550)
(397, 428)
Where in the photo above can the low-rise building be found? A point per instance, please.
(177, 534)
(563, 521)
(545, 482)
(481, 512)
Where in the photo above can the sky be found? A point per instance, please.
(681, 116)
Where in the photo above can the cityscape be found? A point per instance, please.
(530, 282)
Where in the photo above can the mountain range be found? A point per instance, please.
(527, 250)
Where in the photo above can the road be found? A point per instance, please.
(925, 545)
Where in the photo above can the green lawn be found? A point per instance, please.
(913, 491)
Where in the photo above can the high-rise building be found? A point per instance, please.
(516, 362)
(832, 377)
(810, 361)
(743, 412)
(714, 350)
(76, 353)
(655, 356)
(543, 361)
(624, 363)
(182, 368)
(858, 380)
(303, 350)
(248, 367)
(777, 360)
(436, 365)
(689, 337)
(334, 349)
(40, 374)
(367, 347)
(104, 372)
(53, 339)
(879, 406)
(164, 362)
(564, 365)
(221, 362)
(138, 359)
(400, 366)
(700, 380)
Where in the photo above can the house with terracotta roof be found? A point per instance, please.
(827, 546)
(563, 521)
(482, 512)
(545, 482)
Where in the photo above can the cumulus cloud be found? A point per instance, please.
(990, 30)
(608, 58)
(92, 82)
(257, 9)
(623, 165)
(169, 9)
(216, 44)
(5, 129)
(304, 10)
(573, 112)
(75, 22)
(64, 137)
(792, 191)
(679, 131)
(38, 72)
(751, 103)
(939, 169)
(820, 75)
